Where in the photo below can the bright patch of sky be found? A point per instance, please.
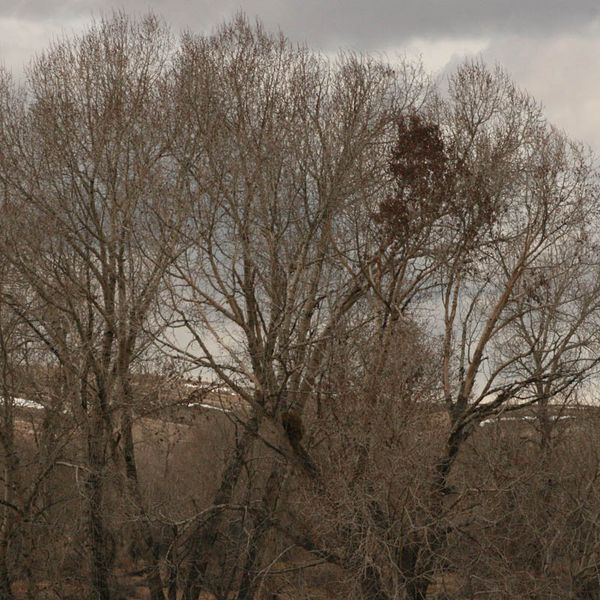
(437, 54)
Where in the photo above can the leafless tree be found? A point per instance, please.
(88, 183)
(287, 156)
(369, 277)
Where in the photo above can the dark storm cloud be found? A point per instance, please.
(330, 23)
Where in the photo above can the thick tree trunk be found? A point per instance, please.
(371, 586)
(5, 586)
(154, 579)
(101, 567)
(417, 559)
(172, 567)
(417, 588)
(256, 547)
(101, 557)
(12, 492)
(206, 533)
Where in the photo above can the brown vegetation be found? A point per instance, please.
(274, 326)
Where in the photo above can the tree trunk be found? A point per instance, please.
(154, 579)
(98, 538)
(101, 558)
(172, 567)
(5, 587)
(206, 532)
(416, 589)
(371, 586)
(273, 490)
(12, 493)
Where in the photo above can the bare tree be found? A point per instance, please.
(366, 275)
(494, 195)
(520, 198)
(88, 183)
(286, 154)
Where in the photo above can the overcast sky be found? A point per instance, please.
(550, 47)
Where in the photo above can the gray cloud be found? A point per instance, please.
(355, 23)
(548, 46)
(372, 24)
(560, 72)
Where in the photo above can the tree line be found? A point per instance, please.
(395, 281)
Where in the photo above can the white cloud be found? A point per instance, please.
(21, 39)
(436, 54)
(563, 73)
